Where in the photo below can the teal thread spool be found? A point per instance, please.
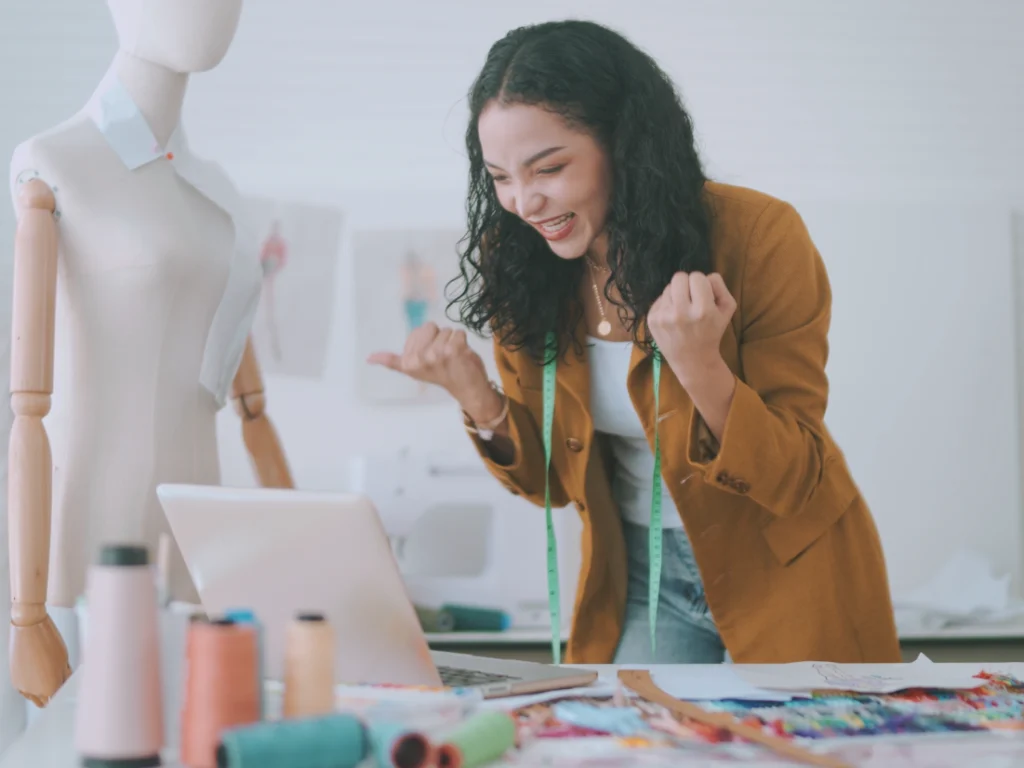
(330, 741)
(246, 616)
(481, 739)
(470, 618)
(397, 746)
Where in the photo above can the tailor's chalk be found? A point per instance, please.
(328, 741)
(482, 738)
(471, 618)
(397, 746)
(435, 619)
(246, 616)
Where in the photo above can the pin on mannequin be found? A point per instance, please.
(132, 269)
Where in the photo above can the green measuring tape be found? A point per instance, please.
(654, 539)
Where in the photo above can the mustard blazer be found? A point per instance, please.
(791, 561)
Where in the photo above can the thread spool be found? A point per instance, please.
(221, 691)
(119, 713)
(329, 741)
(472, 618)
(482, 738)
(397, 746)
(246, 616)
(309, 666)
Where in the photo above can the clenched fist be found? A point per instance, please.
(442, 356)
(688, 320)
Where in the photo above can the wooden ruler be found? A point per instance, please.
(639, 681)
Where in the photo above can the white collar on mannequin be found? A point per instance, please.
(125, 129)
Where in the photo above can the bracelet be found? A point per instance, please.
(486, 430)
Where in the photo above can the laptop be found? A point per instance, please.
(281, 552)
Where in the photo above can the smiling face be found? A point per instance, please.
(554, 177)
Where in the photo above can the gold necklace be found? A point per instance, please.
(604, 327)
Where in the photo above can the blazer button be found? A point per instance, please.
(574, 445)
(740, 486)
(723, 478)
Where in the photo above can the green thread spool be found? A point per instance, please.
(481, 739)
(435, 620)
(396, 746)
(331, 741)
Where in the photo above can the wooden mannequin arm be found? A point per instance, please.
(265, 452)
(38, 656)
(29, 493)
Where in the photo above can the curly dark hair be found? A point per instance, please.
(658, 221)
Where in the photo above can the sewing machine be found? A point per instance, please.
(460, 537)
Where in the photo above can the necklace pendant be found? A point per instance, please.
(604, 328)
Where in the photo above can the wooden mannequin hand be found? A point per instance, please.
(38, 660)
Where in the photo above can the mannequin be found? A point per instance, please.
(134, 271)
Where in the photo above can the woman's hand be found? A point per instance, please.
(442, 356)
(687, 322)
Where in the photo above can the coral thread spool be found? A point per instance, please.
(246, 616)
(309, 666)
(119, 713)
(221, 691)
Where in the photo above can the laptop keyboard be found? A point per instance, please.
(465, 678)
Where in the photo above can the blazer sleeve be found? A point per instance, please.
(773, 448)
(526, 473)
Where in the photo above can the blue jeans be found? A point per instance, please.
(685, 632)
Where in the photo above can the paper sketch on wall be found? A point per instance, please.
(298, 249)
(273, 256)
(400, 278)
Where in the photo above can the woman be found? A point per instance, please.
(590, 218)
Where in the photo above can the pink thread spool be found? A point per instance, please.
(119, 713)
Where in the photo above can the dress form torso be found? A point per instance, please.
(156, 293)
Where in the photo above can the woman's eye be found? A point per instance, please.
(554, 169)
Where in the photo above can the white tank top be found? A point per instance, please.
(614, 416)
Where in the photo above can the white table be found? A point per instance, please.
(1003, 642)
(48, 743)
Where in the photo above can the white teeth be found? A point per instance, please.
(557, 224)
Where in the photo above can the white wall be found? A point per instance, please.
(916, 102)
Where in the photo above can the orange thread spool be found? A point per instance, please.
(309, 667)
(221, 690)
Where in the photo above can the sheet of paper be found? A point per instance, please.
(691, 682)
(711, 682)
(863, 678)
